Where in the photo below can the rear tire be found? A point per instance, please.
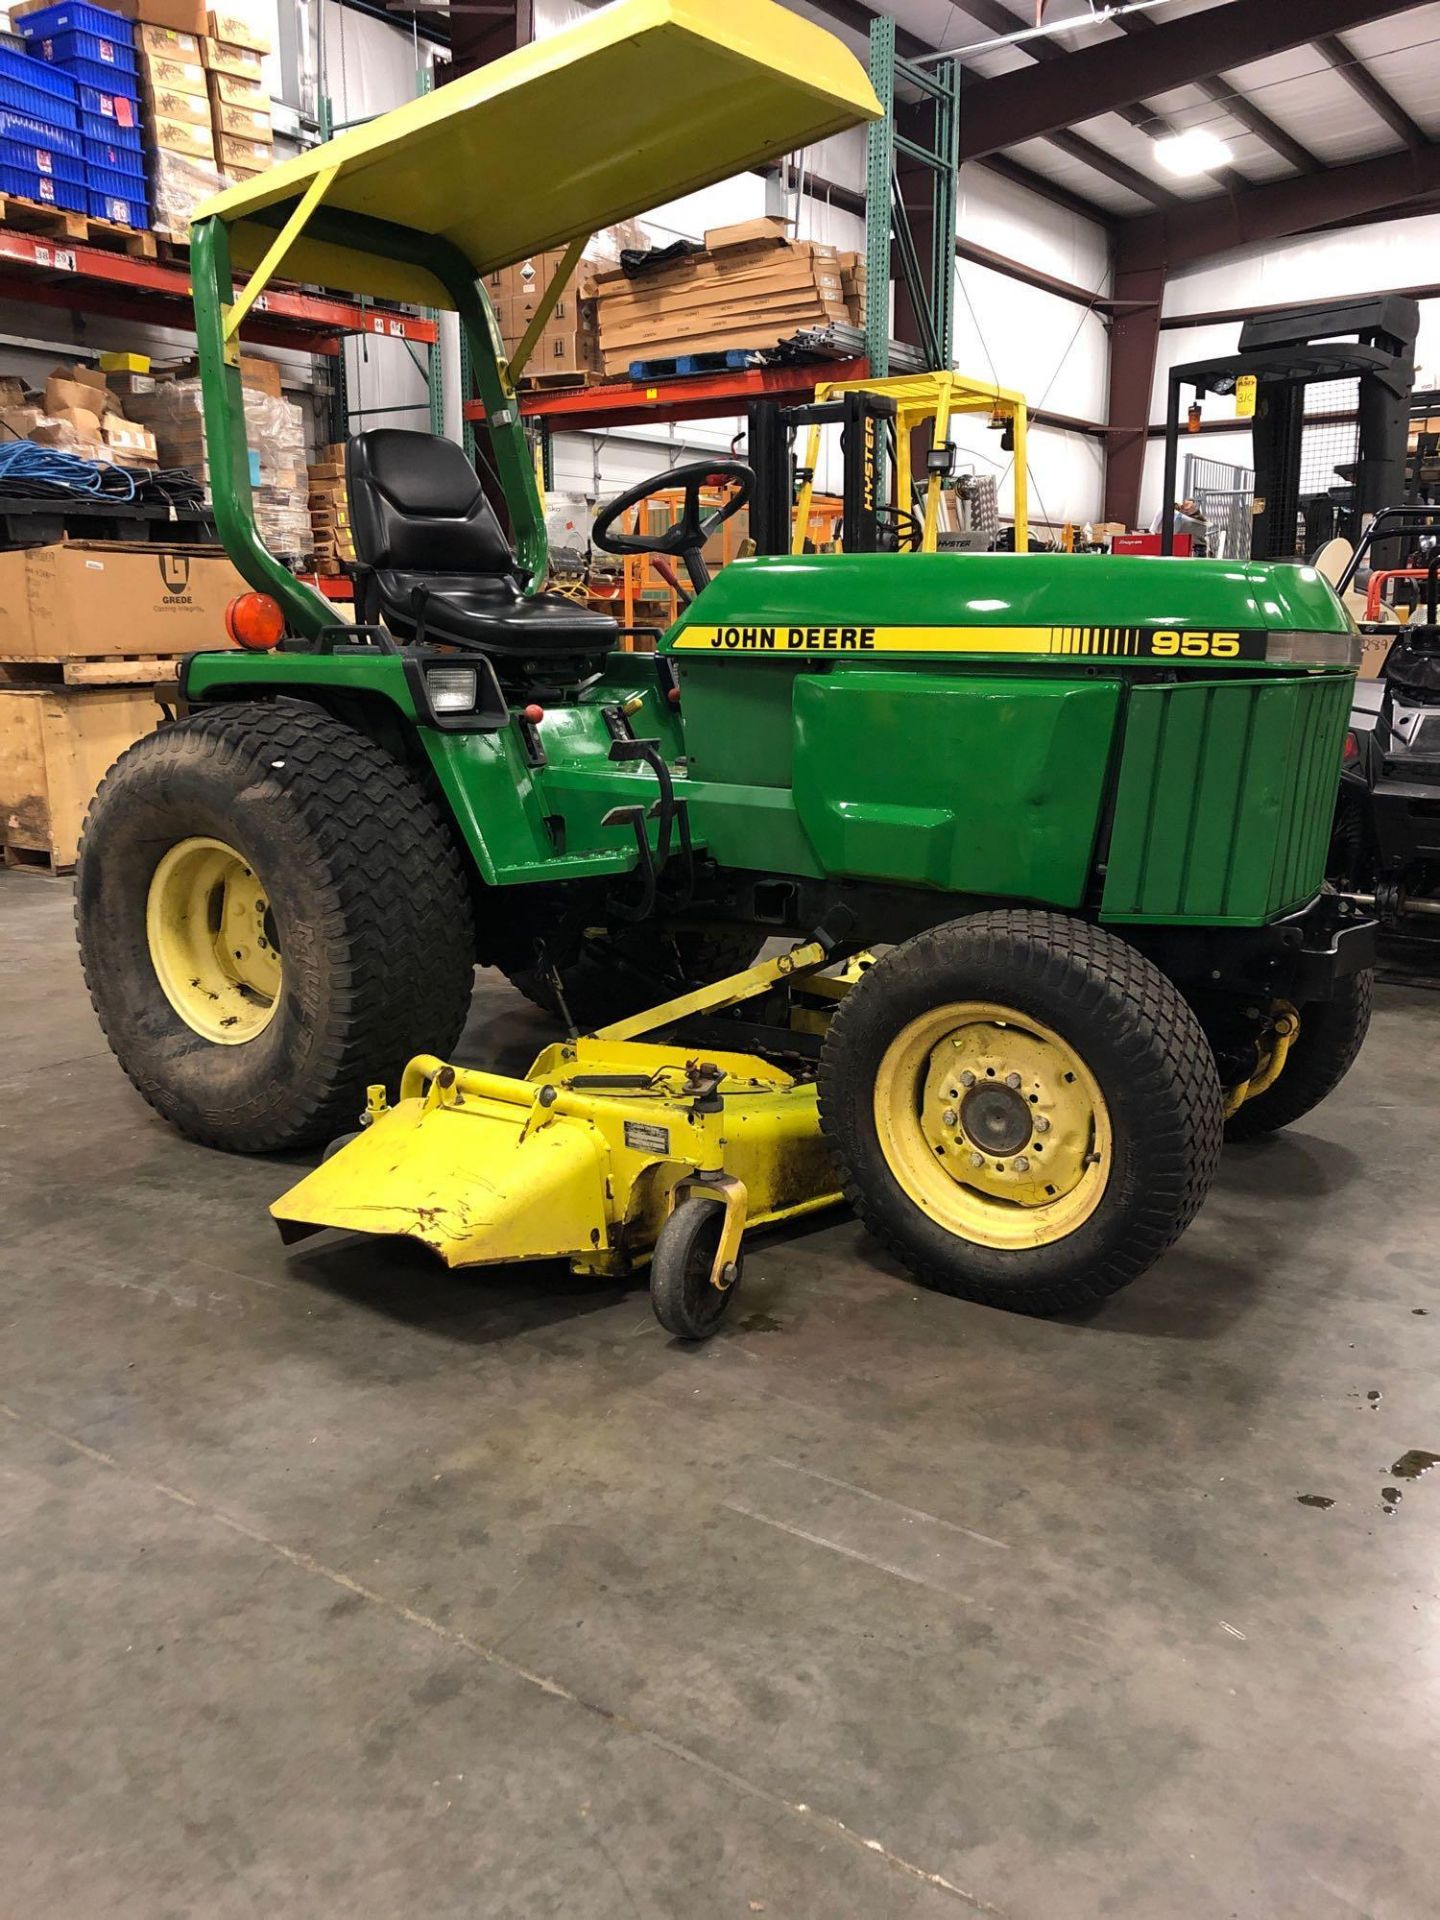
(368, 907)
(1331, 1035)
(1054, 1021)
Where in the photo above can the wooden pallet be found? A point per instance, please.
(551, 382)
(59, 223)
(97, 670)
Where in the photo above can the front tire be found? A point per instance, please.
(1022, 1107)
(1331, 1035)
(271, 915)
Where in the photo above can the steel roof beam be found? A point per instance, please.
(1201, 228)
(1359, 79)
(1111, 74)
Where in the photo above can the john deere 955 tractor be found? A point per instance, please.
(1079, 809)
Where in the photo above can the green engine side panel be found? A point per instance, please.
(1225, 799)
(973, 784)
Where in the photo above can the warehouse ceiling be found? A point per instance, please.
(1305, 93)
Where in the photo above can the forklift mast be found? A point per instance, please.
(867, 424)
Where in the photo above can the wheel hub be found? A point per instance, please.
(996, 1119)
(994, 1124)
(213, 941)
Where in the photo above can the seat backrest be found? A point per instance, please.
(418, 507)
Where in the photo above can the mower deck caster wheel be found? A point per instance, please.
(687, 1302)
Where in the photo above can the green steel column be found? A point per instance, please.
(946, 75)
(879, 172)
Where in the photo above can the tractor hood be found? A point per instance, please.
(638, 103)
(1004, 605)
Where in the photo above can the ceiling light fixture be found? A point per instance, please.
(1197, 150)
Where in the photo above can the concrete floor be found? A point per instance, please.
(334, 1585)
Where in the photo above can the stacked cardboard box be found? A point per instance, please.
(239, 101)
(176, 109)
(750, 287)
(78, 413)
(569, 341)
(275, 432)
(330, 527)
(852, 285)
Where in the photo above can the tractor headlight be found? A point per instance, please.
(452, 689)
(1294, 647)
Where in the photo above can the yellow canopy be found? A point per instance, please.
(637, 104)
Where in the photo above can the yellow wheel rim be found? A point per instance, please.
(212, 941)
(993, 1125)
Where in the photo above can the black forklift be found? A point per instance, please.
(1386, 848)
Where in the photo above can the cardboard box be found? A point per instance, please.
(166, 104)
(129, 438)
(252, 155)
(227, 90)
(236, 31)
(243, 123)
(747, 233)
(55, 748)
(166, 42)
(183, 136)
(185, 17)
(261, 374)
(221, 56)
(71, 388)
(94, 598)
(166, 73)
(126, 386)
(1375, 645)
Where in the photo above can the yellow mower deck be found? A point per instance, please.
(585, 1157)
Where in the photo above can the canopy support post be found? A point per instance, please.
(261, 277)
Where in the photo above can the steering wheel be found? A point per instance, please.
(906, 528)
(685, 536)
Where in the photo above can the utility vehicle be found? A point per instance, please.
(1079, 807)
(1386, 854)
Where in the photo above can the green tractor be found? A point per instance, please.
(1078, 807)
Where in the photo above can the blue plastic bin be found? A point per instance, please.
(29, 131)
(89, 73)
(76, 52)
(75, 16)
(115, 184)
(124, 211)
(97, 131)
(31, 157)
(26, 184)
(39, 80)
(129, 161)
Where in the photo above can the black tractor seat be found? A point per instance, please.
(435, 565)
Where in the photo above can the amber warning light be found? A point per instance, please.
(256, 621)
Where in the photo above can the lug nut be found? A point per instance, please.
(1012, 1079)
(977, 1159)
(1042, 1125)
(967, 1079)
(949, 1117)
(1022, 1165)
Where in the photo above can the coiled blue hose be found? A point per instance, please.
(28, 468)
